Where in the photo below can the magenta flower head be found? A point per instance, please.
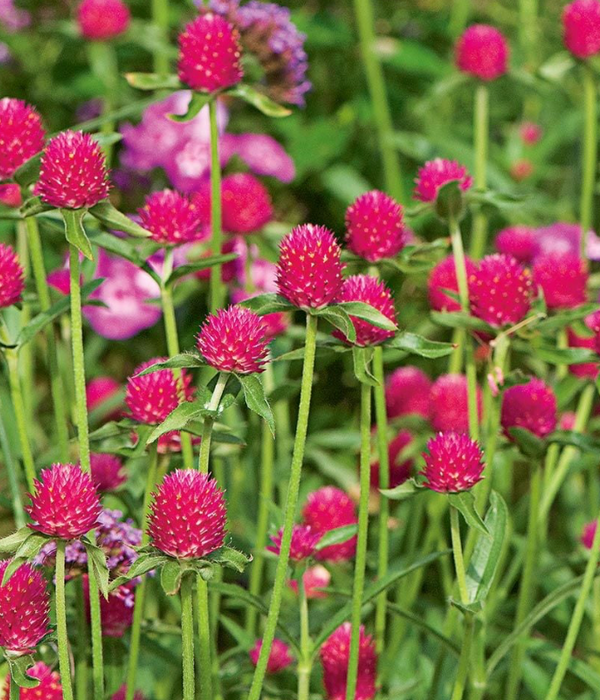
(585, 369)
(500, 290)
(453, 463)
(107, 472)
(530, 133)
(588, 534)
(24, 606)
(581, 28)
(443, 277)
(399, 469)
(73, 172)
(482, 51)
(314, 578)
(101, 390)
(234, 340)
(48, 689)
(171, 218)
(188, 515)
(100, 20)
(209, 54)
(335, 656)
(518, 241)
(448, 403)
(10, 195)
(121, 694)
(439, 172)
(326, 509)
(304, 541)
(12, 282)
(531, 406)
(309, 271)
(407, 392)
(370, 291)
(375, 226)
(247, 205)
(66, 503)
(21, 135)
(563, 279)
(116, 611)
(280, 656)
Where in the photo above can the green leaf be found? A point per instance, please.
(337, 536)
(75, 232)
(563, 356)
(97, 557)
(202, 264)
(570, 438)
(33, 206)
(111, 217)
(29, 172)
(177, 419)
(465, 503)
(255, 398)
(368, 313)
(406, 490)
(185, 360)
(361, 360)
(259, 100)
(11, 543)
(450, 201)
(459, 319)
(430, 629)
(30, 547)
(498, 200)
(487, 552)
(13, 565)
(145, 562)
(467, 608)
(170, 577)
(19, 666)
(231, 558)
(339, 319)
(565, 318)
(529, 444)
(153, 81)
(198, 101)
(267, 304)
(417, 345)
(244, 639)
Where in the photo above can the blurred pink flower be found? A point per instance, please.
(12, 18)
(261, 153)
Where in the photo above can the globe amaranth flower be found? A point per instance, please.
(530, 133)
(10, 195)
(449, 403)
(335, 656)
(482, 51)
(234, 340)
(209, 54)
(261, 153)
(12, 277)
(280, 656)
(73, 172)
(329, 508)
(49, 687)
(100, 20)
(107, 472)
(24, 607)
(314, 578)
(171, 218)
(121, 694)
(531, 406)
(373, 292)
(581, 28)
(588, 534)
(407, 393)
(21, 135)
(304, 541)
(101, 391)
(65, 504)
(439, 172)
(116, 611)
(442, 278)
(375, 226)
(400, 469)
(309, 271)
(585, 369)
(563, 279)
(188, 515)
(453, 463)
(500, 290)
(518, 241)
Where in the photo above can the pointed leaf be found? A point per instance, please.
(198, 101)
(153, 81)
(177, 419)
(19, 666)
(14, 564)
(564, 356)
(97, 557)
(259, 100)
(337, 536)
(529, 444)
(142, 565)
(30, 548)
(267, 304)
(29, 172)
(75, 232)
(231, 558)
(111, 217)
(361, 360)
(368, 313)
(465, 503)
(255, 398)
(417, 345)
(459, 319)
(11, 543)
(186, 360)
(170, 577)
(340, 319)
(399, 493)
(202, 264)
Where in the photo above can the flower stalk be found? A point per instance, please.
(61, 622)
(217, 290)
(482, 128)
(590, 148)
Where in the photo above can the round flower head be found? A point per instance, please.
(234, 340)
(49, 687)
(518, 241)
(563, 279)
(593, 323)
(581, 28)
(399, 470)
(209, 54)
(73, 172)
(304, 541)
(585, 369)
(500, 290)
(11, 277)
(530, 133)
(116, 611)
(65, 503)
(280, 656)
(309, 271)
(171, 218)
(24, 606)
(188, 516)
(448, 403)
(407, 393)
(247, 205)
(10, 195)
(437, 173)
(374, 226)
(107, 472)
(453, 463)
(531, 406)
(326, 509)
(370, 291)
(588, 534)
(99, 20)
(443, 277)
(335, 654)
(21, 135)
(100, 391)
(482, 51)
(315, 578)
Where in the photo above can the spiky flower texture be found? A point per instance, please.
(448, 403)
(12, 276)
(21, 135)
(49, 687)
(563, 279)
(453, 463)
(280, 656)
(107, 471)
(247, 205)
(171, 218)
(531, 406)
(442, 278)
(326, 509)
(581, 28)
(439, 172)
(407, 392)
(100, 20)
(335, 656)
(375, 226)
(482, 51)
(304, 541)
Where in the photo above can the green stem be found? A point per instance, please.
(527, 586)
(12, 472)
(379, 99)
(290, 506)
(187, 638)
(482, 127)
(217, 290)
(528, 30)
(459, 16)
(61, 622)
(160, 20)
(305, 662)
(204, 636)
(15, 691)
(461, 578)
(81, 668)
(204, 459)
(27, 352)
(590, 146)
(363, 533)
(576, 619)
(103, 62)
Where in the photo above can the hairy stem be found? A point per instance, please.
(217, 290)
(61, 622)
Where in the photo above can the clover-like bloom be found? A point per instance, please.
(304, 541)
(171, 218)
(280, 656)
(407, 392)
(531, 406)
(519, 241)
(100, 20)
(375, 226)
(482, 51)
(21, 135)
(581, 28)
(439, 172)
(12, 277)
(329, 508)
(453, 463)
(442, 278)
(448, 403)
(335, 656)
(563, 279)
